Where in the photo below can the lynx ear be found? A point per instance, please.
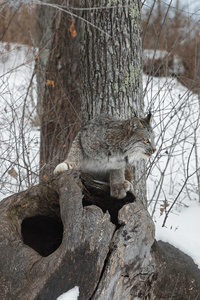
(137, 124)
(148, 118)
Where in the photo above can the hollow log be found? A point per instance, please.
(69, 232)
(37, 270)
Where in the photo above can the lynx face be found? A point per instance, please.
(148, 144)
(142, 143)
(147, 147)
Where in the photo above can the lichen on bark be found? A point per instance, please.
(111, 59)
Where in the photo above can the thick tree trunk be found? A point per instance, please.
(112, 59)
(59, 104)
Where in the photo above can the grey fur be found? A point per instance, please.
(105, 146)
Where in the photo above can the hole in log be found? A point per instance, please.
(112, 205)
(42, 233)
(98, 194)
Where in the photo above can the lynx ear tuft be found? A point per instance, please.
(148, 118)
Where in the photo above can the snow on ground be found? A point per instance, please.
(70, 295)
(182, 230)
(172, 181)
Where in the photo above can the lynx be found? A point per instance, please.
(105, 147)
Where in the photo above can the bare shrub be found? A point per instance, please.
(173, 174)
(19, 141)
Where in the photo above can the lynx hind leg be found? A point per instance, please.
(119, 186)
(64, 166)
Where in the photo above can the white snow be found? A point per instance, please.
(182, 230)
(70, 295)
(176, 124)
(174, 167)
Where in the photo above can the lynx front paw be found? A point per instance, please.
(119, 190)
(64, 166)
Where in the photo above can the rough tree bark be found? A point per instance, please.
(58, 78)
(112, 60)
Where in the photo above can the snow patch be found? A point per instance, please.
(182, 230)
(70, 295)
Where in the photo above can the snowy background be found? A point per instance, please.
(19, 138)
(173, 172)
(173, 179)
